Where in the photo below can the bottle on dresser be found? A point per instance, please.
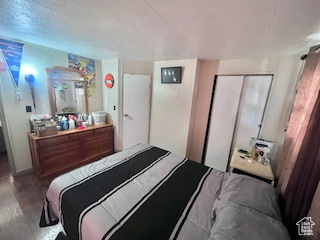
(90, 119)
(72, 124)
(64, 123)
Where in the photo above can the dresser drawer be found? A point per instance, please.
(57, 149)
(103, 130)
(98, 148)
(52, 141)
(98, 137)
(81, 135)
(60, 161)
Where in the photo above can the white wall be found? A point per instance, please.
(136, 67)
(285, 69)
(113, 97)
(171, 107)
(17, 120)
(194, 108)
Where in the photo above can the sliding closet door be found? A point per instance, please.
(254, 97)
(237, 114)
(223, 119)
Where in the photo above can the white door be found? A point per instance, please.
(223, 119)
(238, 107)
(136, 109)
(254, 96)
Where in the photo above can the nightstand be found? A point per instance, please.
(242, 164)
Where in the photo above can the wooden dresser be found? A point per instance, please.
(56, 154)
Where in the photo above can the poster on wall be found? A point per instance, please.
(12, 53)
(86, 66)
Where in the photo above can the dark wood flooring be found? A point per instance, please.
(21, 200)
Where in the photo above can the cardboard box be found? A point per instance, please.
(45, 128)
(254, 141)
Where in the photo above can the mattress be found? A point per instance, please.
(143, 192)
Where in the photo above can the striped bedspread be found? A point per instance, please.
(143, 192)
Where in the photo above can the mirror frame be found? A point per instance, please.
(65, 70)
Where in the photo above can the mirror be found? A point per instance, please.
(67, 89)
(69, 97)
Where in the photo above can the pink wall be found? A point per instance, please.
(201, 110)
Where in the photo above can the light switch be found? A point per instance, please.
(18, 95)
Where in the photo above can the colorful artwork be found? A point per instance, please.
(86, 66)
(12, 52)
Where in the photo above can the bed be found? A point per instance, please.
(145, 192)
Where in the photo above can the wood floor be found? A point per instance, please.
(21, 200)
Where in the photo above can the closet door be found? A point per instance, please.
(223, 120)
(252, 105)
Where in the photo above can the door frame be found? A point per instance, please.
(6, 134)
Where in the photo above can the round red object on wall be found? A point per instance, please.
(108, 80)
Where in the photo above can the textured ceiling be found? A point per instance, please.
(165, 29)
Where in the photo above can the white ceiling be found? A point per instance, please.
(165, 29)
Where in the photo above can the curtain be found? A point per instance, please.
(314, 213)
(299, 167)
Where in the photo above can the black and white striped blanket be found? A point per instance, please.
(143, 192)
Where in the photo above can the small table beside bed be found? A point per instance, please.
(244, 164)
(145, 192)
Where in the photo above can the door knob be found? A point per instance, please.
(126, 115)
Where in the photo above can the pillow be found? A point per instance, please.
(237, 222)
(252, 193)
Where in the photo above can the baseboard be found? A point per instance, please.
(29, 170)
